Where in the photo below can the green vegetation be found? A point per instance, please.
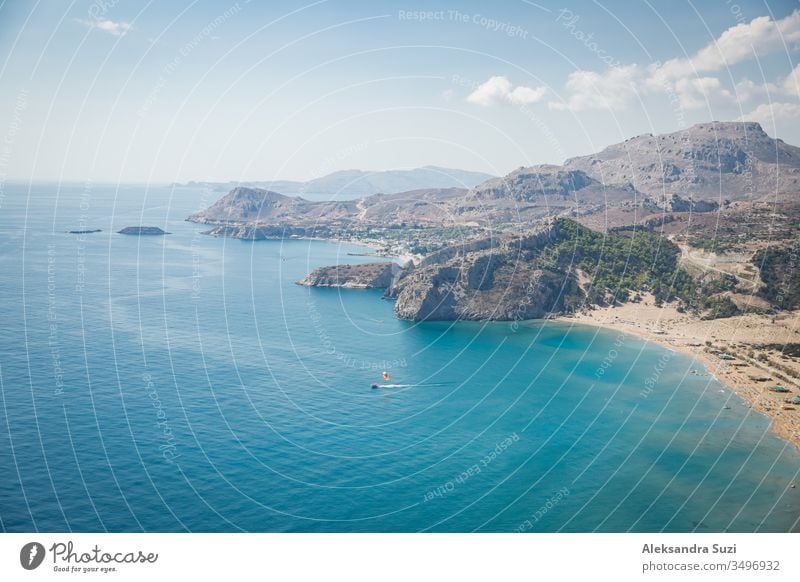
(620, 265)
(735, 229)
(718, 306)
(725, 282)
(714, 244)
(779, 269)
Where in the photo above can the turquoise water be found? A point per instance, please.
(186, 383)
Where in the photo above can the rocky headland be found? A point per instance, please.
(365, 276)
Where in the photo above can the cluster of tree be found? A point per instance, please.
(622, 264)
(719, 243)
(779, 269)
(718, 306)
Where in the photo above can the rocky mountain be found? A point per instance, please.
(695, 217)
(703, 168)
(353, 184)
(528, 194)
(699, 169)
(708, 161)
(348, 184)
(263, 208)
(244, 205)
(497, 280)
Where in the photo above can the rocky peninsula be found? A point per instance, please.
(366, 276)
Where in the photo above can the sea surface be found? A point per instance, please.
(186, 383)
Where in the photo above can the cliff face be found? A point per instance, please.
(554, 268)
(490, 279)
(366, 276)
(487, 279)
(444, 293)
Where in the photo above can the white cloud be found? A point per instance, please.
(747, 90)
(523, 95)
(500, 90)
(694, 93)
(681, 79)
(770, 114)
(115, 27)
(612, 89)
(791, 84)
(618, 87)
(738, 43)
(778, 119)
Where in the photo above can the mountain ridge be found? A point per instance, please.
(699, 169)
(353, 183)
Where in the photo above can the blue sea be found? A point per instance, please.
(186, 383)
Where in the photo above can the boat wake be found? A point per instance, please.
(423, 385)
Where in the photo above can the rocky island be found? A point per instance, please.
(142, 230)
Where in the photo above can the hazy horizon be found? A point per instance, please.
(112, 93)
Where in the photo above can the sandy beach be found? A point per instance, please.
(747, 369)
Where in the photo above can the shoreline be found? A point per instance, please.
(738, 338)
(378, 247)
(704, 340)
(367, 244)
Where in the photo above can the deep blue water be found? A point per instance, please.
(186, 383)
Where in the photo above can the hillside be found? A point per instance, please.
(724, 197)
(348, 184)
(708, 161)
(644, 180)
(557, 267)
(528, 194)
(702, 169)
(353, 184)
(259, 207)
(244, 205)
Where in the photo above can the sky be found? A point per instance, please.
(156, 92)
